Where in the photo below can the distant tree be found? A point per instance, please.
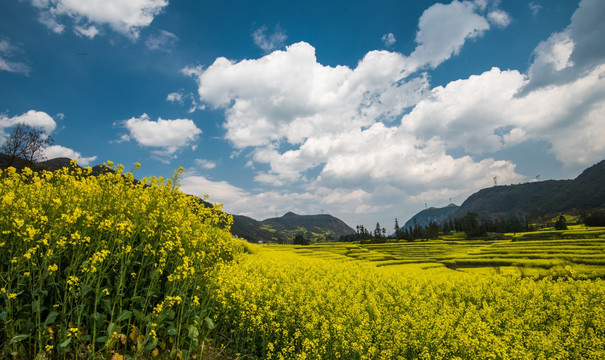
(26, 142)
(432, 230)
(561, 224)
(446, 228)
(471, 225)
(300, 240)
(378, 231)
(397, 230)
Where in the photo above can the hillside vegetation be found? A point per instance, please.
(284, 229)
(543, 198)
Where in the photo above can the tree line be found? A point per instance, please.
(471, 224)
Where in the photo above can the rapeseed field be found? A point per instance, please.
(107, 267)
(277, 304)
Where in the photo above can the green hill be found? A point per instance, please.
(437, 215)
(285, 228)
(584, 193)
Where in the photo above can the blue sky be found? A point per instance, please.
(364, 110)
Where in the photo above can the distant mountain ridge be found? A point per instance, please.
(530, 200)
(551, 197)
(283, 229)
(433, 214)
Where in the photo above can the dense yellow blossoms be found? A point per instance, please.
(276, 304)
(83, 257)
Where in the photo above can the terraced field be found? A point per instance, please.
(578, 251)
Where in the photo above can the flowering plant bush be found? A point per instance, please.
(101, 266)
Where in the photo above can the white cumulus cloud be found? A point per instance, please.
(126, 17)
(443, 29)
(289, 95)
(499, 18)
(165, 136)
(56, 151)
(33, 118)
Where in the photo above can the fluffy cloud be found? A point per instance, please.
(88, 31)
(126, 17)
(175, 97)
(486, 113)
(443, 29)
(269, 42)
(7, 52)
(572, 53)
(56, 151)
(166, 136)
(37, 119)
(499, 18)
(288, 94)
(389, 39)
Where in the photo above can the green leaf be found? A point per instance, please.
(111, 328)
(171, 331)
(137, 299)
(209, 323)
(193, 332)
(3, 315)
(65, 343)
(86, 289)
(124, 315)
(18, 338)
(140, 316)
(102, 339)
(50, 318)
(151, 345)
(170, 314)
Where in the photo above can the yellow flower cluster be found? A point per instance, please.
(69, 238)
(276, 304)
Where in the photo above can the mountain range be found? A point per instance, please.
(530, 200)
(283, 229)
(433, 214)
